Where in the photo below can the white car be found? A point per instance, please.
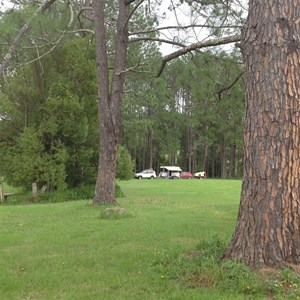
(200, 175)
(150, 174)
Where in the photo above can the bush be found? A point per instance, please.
(124, 164)
(118, 192)
(78, 193)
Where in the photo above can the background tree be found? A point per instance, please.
(143, 99)
(53, 99)
(209, 105)
(109, 97)
(125, 164)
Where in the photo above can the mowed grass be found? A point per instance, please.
(70, 251)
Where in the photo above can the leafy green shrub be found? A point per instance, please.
(78, 193)
(19, 198)
(118, 191)
(125, 164)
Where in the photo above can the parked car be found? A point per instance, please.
(186, 175)
(200, 175)
(150, 174)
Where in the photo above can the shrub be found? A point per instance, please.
(124, 164)
(78, 193)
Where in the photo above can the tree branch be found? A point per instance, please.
(58, 40)
(186, 27)
(152, 39)
(132, 69)
(81, 12)
(226, 88)
(132, 11)
(196, 46)
(128, 2)
(14, 46)
(46, 5)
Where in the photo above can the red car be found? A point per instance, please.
(186, 175)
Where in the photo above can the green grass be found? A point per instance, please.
(167, 245)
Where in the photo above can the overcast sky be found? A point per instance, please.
(182, 15)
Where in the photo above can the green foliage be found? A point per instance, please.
(125, 164)
(27, 162)
(80, 166)
(79, 193)
(48, 130)
(63, 112)
(184, 115)
(45, 29)
(118, 191)
(57, 196)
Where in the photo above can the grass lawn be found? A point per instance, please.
(165, 246)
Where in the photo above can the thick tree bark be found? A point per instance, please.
(267, 231)
(109, 99)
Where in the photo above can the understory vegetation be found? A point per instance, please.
(167, 244)
(77, 193)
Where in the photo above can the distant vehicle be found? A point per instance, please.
(200, 175)
(171, 172)
(150, 174)
(186, 175)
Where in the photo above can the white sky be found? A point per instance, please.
(184, 18)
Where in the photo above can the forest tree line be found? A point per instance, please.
(191, 116)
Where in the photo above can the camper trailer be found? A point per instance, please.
(171, 172)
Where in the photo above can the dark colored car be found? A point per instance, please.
(186, 175)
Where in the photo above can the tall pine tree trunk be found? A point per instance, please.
(109, 99)
(267, 231)
(150, 148)
(223, 157)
